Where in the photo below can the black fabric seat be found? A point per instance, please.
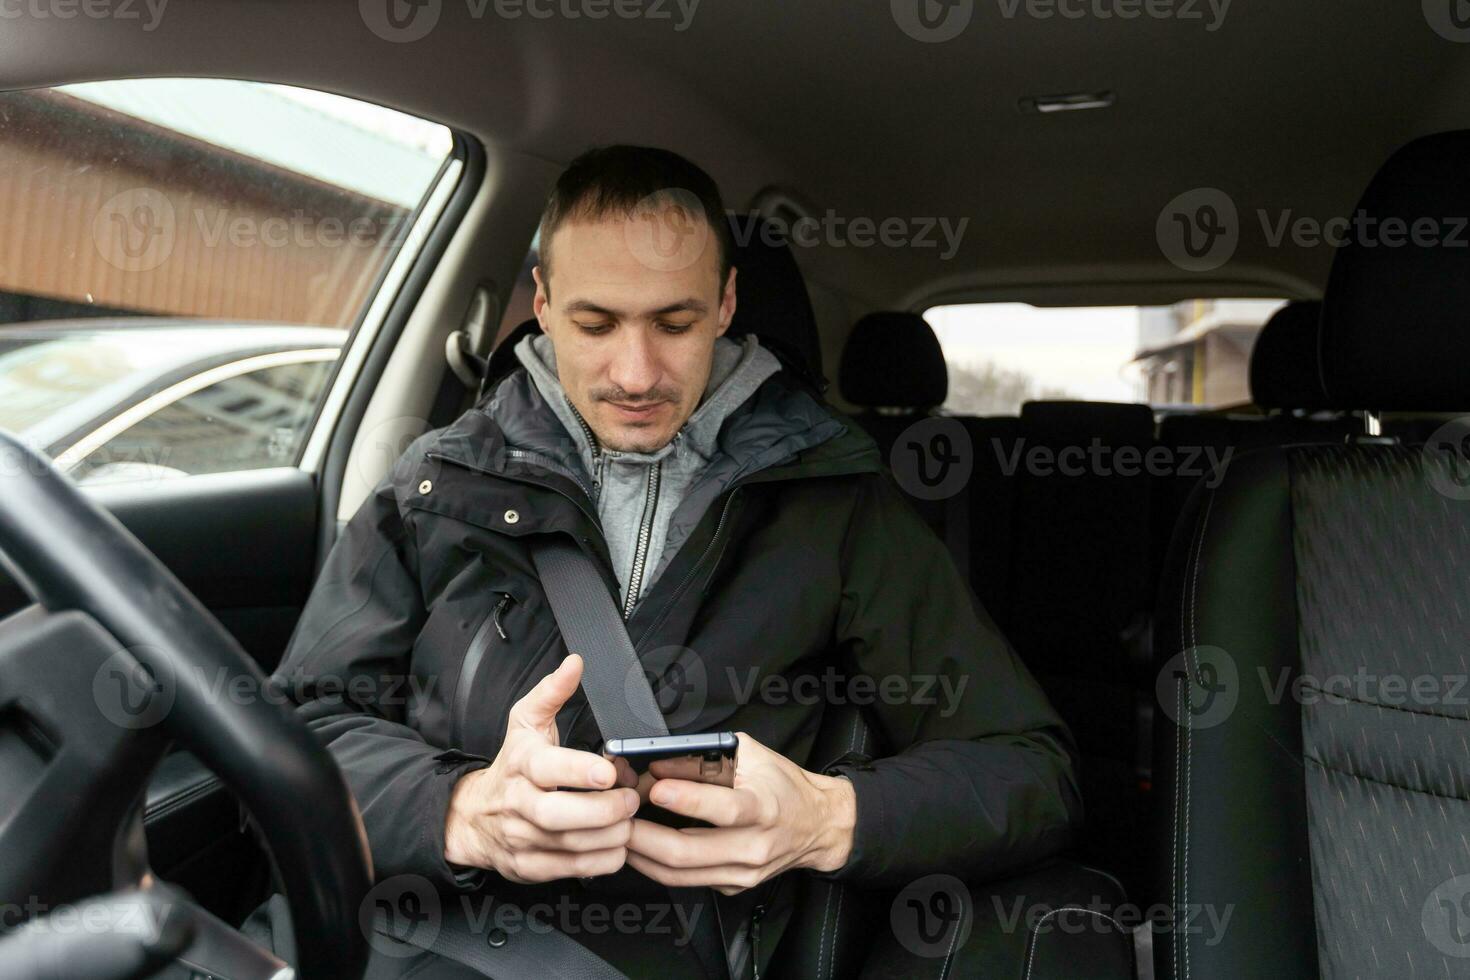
(1081, 598)
(1286, 382)
(1308, 786)
(893, 367)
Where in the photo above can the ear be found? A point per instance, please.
(543, 297)
(727, 304)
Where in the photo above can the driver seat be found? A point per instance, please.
(1314, 736)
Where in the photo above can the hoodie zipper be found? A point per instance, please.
(645, 533)
(593, 445)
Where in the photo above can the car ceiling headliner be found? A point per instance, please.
(1286, 105)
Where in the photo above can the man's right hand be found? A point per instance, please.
(516, 819)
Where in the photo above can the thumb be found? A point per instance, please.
(538, 708)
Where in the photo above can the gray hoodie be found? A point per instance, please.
(637, 493)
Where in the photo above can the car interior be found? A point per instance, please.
(1323, 836)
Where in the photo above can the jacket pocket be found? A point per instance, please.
(492, 630)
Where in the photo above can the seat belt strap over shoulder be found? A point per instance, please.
(612, 676)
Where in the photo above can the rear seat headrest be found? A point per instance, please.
(893, 360)
(1396, 316)
(1286, 370)
(1068, 422)
(771, 300)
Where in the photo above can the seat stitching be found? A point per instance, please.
(822, 939)
(836, 928)
(1384, 782)
(1193, 651)
(1036, 933)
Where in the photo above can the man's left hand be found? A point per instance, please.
(777, 816)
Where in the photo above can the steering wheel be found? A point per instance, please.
(113, 661)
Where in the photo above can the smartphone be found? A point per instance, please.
(708, 757)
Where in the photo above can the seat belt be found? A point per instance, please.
(613, 682)
(618, 691)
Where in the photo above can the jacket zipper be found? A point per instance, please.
(694, 570)
(645, 533)
(593, 445)
(539, 460)
(479, 644)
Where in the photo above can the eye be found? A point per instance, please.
(594, 329)
(674, 328)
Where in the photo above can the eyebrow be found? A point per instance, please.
(687, 305)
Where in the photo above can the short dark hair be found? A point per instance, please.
(615, 180)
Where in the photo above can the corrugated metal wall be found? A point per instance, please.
(152, 221)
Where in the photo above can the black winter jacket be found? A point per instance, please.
(805, 575)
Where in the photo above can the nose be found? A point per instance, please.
(634, 367)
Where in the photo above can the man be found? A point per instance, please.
(750, 537)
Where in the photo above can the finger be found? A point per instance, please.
(524, 834)
(553, 767)
(694, 847)
(718, 805)
(538, 707)
(727, 879)
(527, 866)
(560, 810)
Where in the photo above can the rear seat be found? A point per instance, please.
(1286, 382)
(893, 368)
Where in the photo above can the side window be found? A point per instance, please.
(184, 261)
(247, 421)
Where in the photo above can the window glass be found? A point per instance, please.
(1194, 354)
(158, 234)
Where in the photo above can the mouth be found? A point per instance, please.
(640, 412)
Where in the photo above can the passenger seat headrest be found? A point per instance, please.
(771, 300)
(1395, 329)
(1286, 370)
(893, 360)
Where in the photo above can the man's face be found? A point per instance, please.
(634, 323)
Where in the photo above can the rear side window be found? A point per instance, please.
(1189, 355)
(181, 261)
